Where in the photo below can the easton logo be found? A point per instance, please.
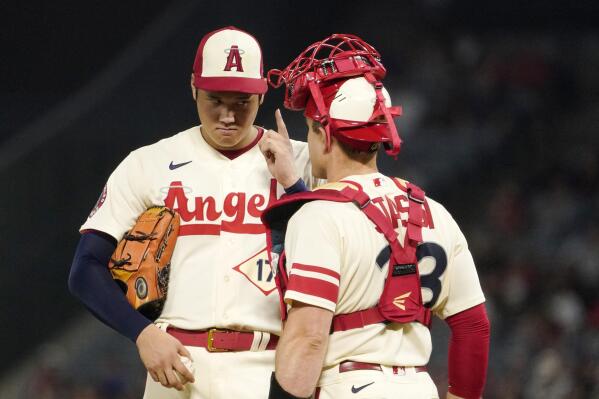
(234, 58)
(400, 300)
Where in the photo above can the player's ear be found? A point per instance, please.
(322, 137)
(316, 127)
(194, 91)
(322, 134)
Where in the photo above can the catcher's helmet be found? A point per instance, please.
(337, 81)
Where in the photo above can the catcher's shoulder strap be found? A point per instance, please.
(401, 299)
(275, 218)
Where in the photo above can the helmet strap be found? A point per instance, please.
(393, 149)
(322, 109)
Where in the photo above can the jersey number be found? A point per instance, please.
(260, 263)
(432, 262)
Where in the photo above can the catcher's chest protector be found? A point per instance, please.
(401, 299)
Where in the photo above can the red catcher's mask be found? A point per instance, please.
(327, 73)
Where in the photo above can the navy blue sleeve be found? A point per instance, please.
(298, 187)
(91, 282)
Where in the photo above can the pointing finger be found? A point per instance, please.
(282, 129)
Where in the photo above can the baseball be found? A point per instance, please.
(188, 363)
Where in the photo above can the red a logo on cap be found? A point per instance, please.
(234, 59)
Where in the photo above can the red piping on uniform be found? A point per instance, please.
(215, 229)
(232, 154)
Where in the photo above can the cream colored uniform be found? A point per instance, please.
(332, 251)
(220, 276)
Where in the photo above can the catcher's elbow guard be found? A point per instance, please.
(140, 263)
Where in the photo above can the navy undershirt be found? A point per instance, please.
(91, 281)
(298, 187)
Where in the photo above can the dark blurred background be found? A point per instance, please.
(501, 103)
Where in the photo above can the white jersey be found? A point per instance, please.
(335, 260)
(220, 276)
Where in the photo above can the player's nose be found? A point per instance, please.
(227, 116)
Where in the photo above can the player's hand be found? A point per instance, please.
(278, 152)
(160, 353)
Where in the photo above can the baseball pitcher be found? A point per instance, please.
(216, 334)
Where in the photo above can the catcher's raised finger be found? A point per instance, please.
(281, 127)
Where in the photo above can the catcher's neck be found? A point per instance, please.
(340, 165)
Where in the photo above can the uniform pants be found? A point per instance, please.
(220, 375)
(385, 384)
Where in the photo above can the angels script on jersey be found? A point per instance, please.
(198, 214)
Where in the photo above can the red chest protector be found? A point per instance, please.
(401, 299)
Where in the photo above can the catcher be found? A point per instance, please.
(369, 257)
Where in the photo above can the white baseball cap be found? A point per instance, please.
(229, 59)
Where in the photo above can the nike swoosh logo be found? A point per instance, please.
(358, 389)
(174, 166)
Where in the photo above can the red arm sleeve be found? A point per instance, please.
(469, 352)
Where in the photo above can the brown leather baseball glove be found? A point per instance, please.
(140, 263)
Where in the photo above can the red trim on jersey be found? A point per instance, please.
(244, 228)
(215, 229)
(232, 154)
(273, 193)
(469, 352)
(314, 287)
(398, 184)
(199, 230)
(317, 269)
(353, 183)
